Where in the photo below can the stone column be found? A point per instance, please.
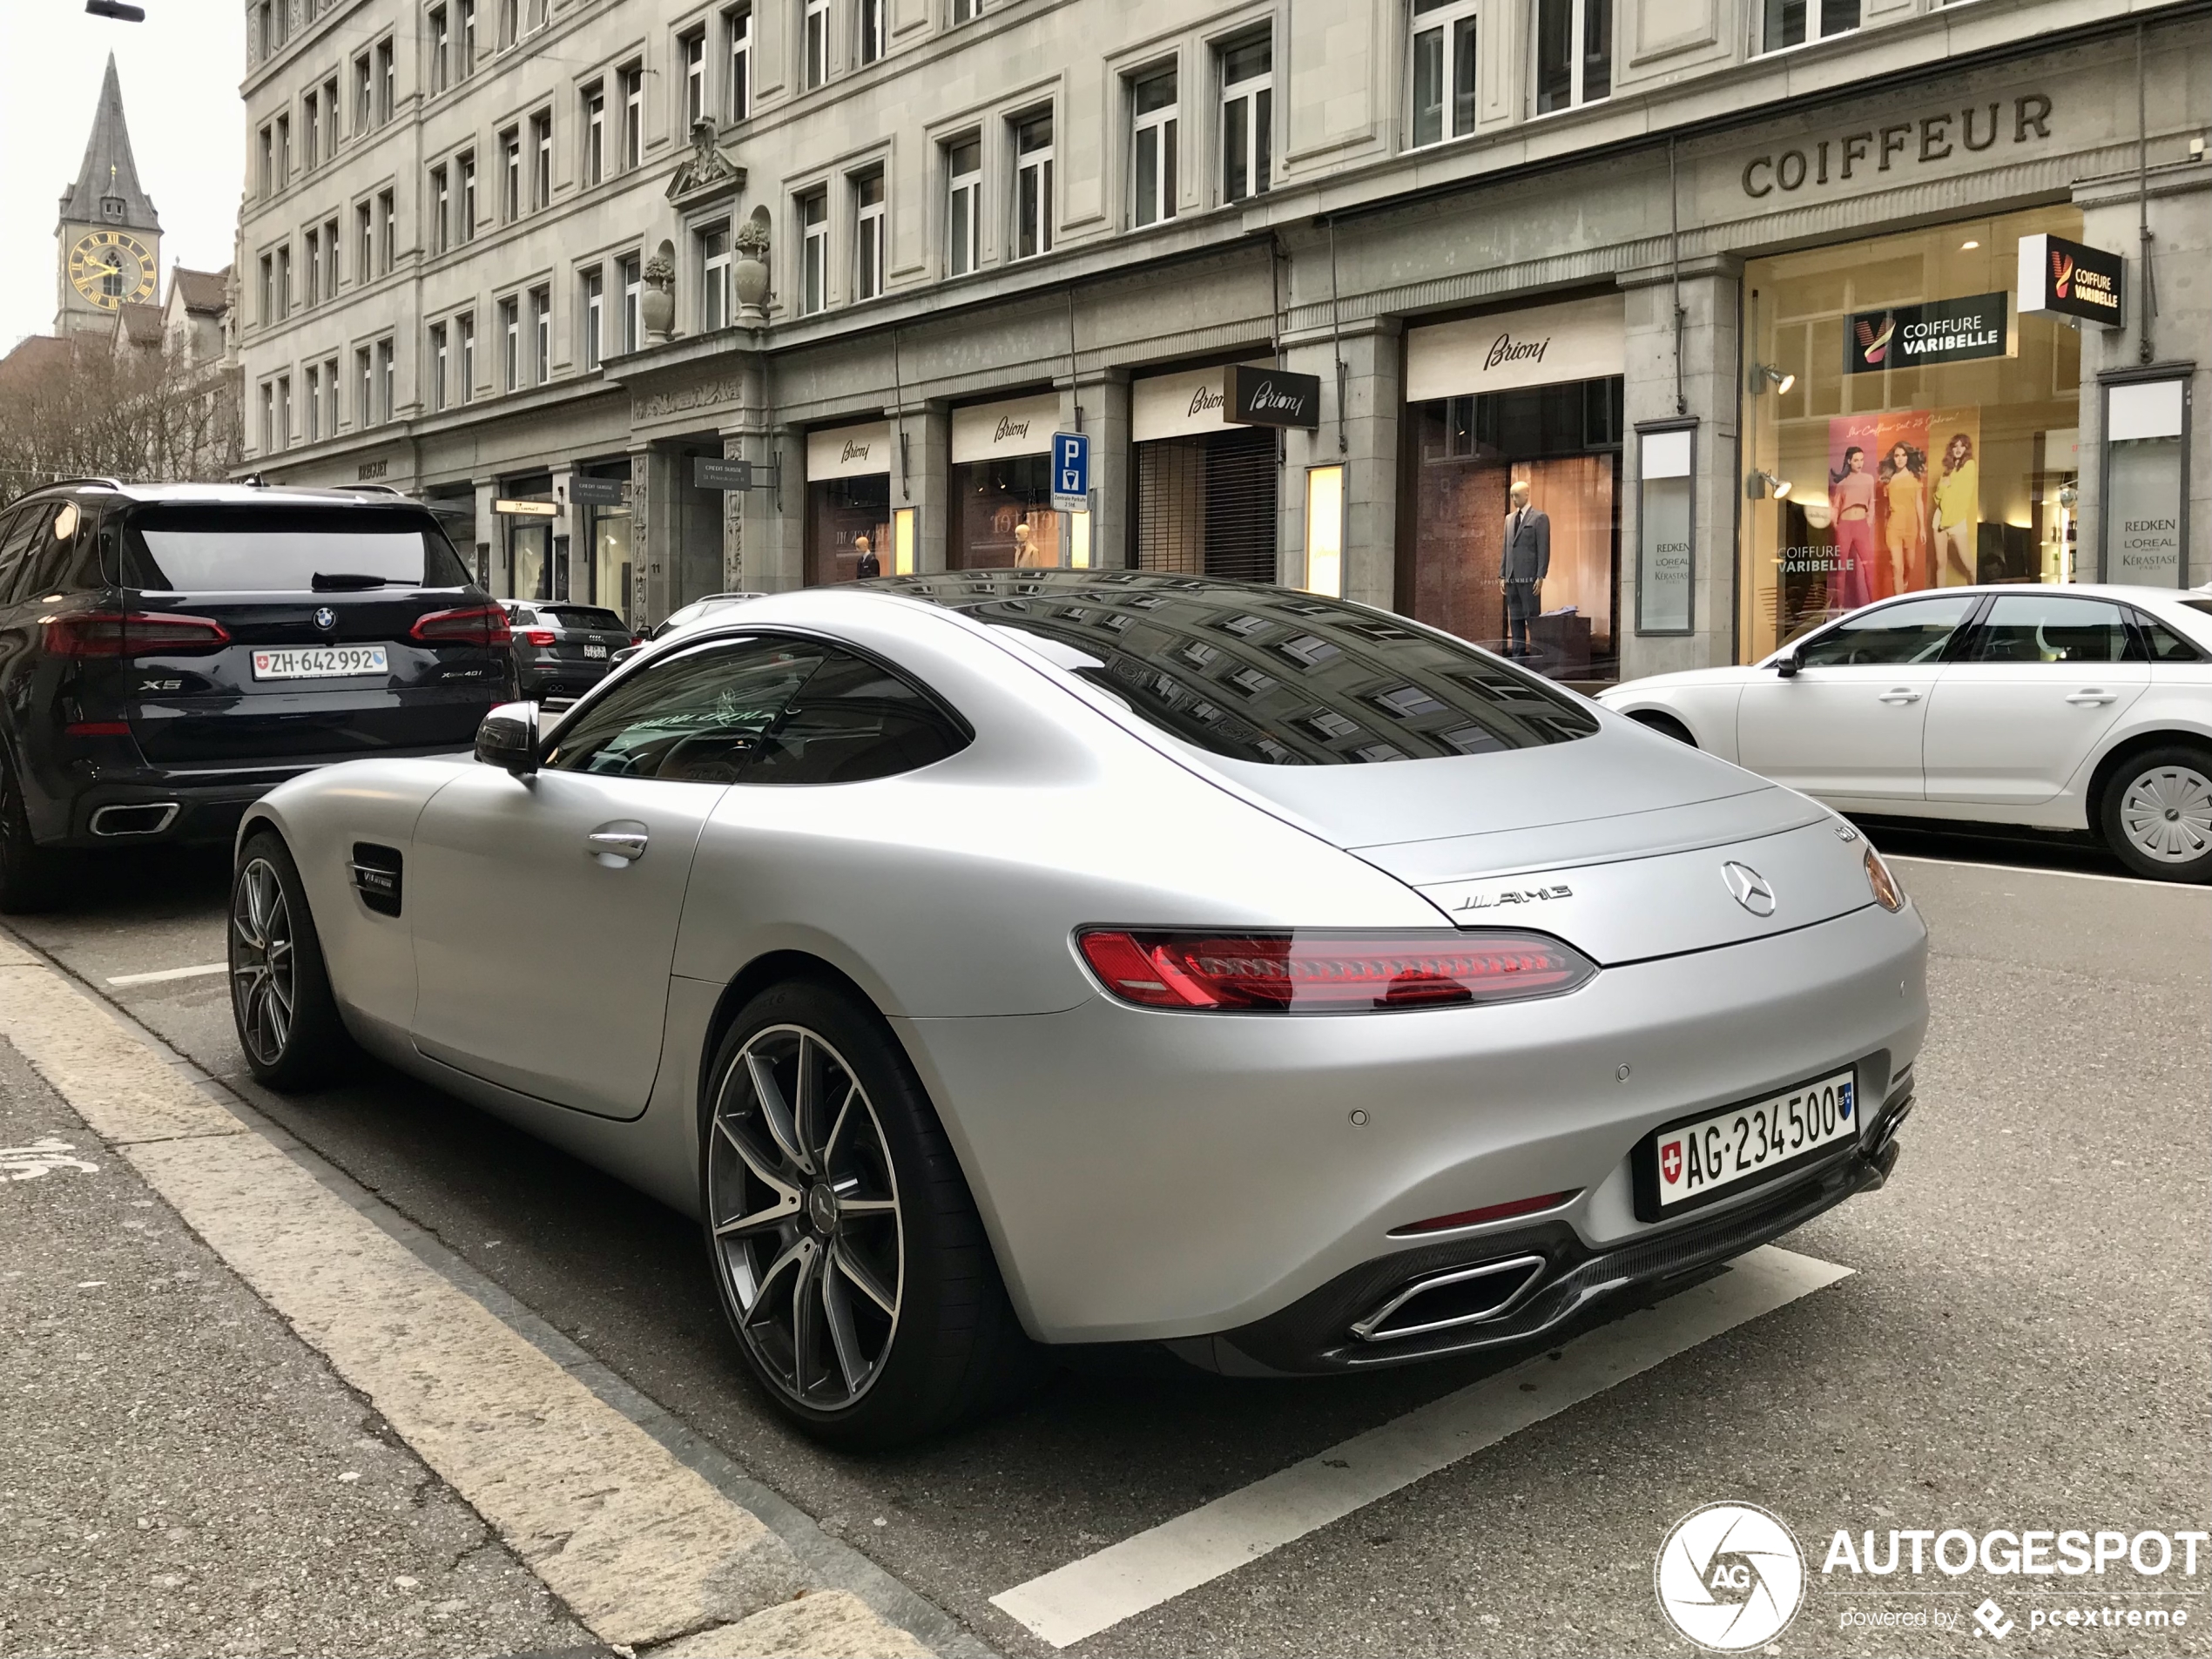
(1359, 429)
(772, 519)
(925, 484)
(657, 527)
(1104, 397)
(1711, 359)
(484, 558)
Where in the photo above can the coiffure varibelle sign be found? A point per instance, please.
(1021, 426)
(1583, 339)
(848, 451)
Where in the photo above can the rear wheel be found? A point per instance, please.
(281, 1001)
(2157, 813)
(29, 875)
(847, 1251)
(1665, 724)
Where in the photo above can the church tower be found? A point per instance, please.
(108, 241)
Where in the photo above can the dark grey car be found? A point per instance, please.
(563, 650)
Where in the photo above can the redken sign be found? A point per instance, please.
(1272, 397)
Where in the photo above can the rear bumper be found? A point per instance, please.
(148, 806)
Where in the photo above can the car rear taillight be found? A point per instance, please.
(471, 626)
(132, 633)
(1511, 1207)
(1320, 973)
(538, 635)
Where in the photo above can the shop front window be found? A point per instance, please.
(1904, 427)
(1006, 516)
(612, 572)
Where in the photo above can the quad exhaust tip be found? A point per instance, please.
(1461, 1296)
(149, 818)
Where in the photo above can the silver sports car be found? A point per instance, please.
(1015, 958)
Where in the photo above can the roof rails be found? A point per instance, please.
(56, 483)
(381, 489)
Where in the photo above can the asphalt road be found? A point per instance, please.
(2022, 1342)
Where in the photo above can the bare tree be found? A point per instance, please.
(78, 408)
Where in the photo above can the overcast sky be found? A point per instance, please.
(180, 71)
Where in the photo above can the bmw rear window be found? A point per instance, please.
(252, 549)
(1265, 674)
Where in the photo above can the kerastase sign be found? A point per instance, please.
(1940, 331)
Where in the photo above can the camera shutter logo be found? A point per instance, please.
(1729, 1576)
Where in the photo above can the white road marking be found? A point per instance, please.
(205, 970)
(2036, 869)
(41, 1157)
(640, 1546)
(1100, 1590)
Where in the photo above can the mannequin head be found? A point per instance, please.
(1519, 494)
(1021, 534)
(860, 545)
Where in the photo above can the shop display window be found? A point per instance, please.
(848, 528)
(1905, 428)
(1003, 514)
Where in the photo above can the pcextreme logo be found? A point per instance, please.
(1729, 1576)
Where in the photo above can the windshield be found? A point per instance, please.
(252, 549)
(1265, 674)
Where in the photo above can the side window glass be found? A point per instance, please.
(15, 535)
(19, 554)
(852, 721)
(1915, 632)
(2036, 628)
(697, 719)
(2166, 645)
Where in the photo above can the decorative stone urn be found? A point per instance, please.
(751, 273)
(656, 306)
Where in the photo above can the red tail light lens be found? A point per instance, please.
(1488, 1212)
(1322, 972)
(472, 626)
(136, 633)
(538, 635)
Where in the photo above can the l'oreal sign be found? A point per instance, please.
(1272, 397)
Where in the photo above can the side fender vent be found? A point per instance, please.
(377, 877)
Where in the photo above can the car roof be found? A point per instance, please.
(223, 495)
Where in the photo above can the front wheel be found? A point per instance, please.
(280, 999)
(2156, 813)
(847, 1251)
(29, 875)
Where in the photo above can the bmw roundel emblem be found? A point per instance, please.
(325, 618)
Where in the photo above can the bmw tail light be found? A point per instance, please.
(134, 633)
(471, 626)
(1322, 972)
(538, 636)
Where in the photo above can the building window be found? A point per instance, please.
(269, 417)
(437, 366)
(464, 335)
(867, 21)
(441, 50)
(284, 411)
(330, 258)
(388, 82)
(269, 289)
(1032, 185)
(314, 267)
(593, 309)
(385, 380)
(264, 30)
(441, 213)
(313, 411)
(511, 343)
(266, 168)
(509, 23)
(363, 106)
(1574, 53)
(814, 38)
(714, 278)
(963, 204)
(364, 389)
(311, 125)
(330, 134)
(738, 24)
(633, 290)
(1247, 117)
(466, 229)
(966, 11)
(1792, 23)
(284, 281)
(869, 246)
(329, 397)
(1443, 59)
(633, 115)
(387, 227)
(692, 50)
(542, 164)
(510, 175)
(595, 133)
(814, 252)
(467, 63)
(541, 336)
(1152, 147)
(283, 151)
(364, 246)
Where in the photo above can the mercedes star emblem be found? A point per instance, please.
(325, 618)
(1749, 888)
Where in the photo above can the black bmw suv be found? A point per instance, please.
(170, 652)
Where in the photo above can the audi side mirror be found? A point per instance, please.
(1787, 666)
(508, 738)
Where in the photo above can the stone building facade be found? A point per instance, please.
(561, 250)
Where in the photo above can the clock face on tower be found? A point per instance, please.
(110, 266)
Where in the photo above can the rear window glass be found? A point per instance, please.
(586, 617)
(248, 549)
(1264, 674)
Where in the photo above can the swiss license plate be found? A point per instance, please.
(595, 651)
(1708, 1156)
(320, 662)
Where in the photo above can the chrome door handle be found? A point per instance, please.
(1900, 694)
(620, 844)
(2092, 699)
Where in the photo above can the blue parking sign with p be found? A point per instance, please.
(1071, 464)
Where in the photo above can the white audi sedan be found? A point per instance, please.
(2071, 708)
(1006, 958)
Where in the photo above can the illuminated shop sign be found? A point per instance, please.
(1942, 331)
(2063, 279)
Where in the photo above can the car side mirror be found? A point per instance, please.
(1787, 667)
(508, 738)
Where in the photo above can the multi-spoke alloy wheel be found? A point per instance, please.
(263, 987)
(803, 1209)
(2167, 813)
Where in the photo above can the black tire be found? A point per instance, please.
(30, 876)
(282, 1004)
(2156, 813)
(1665, 724)
(948, 1344)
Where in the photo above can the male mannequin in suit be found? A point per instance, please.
(1527, 560)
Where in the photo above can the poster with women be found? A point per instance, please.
(1902, 504)
(1854, 445)
(1954, 494)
